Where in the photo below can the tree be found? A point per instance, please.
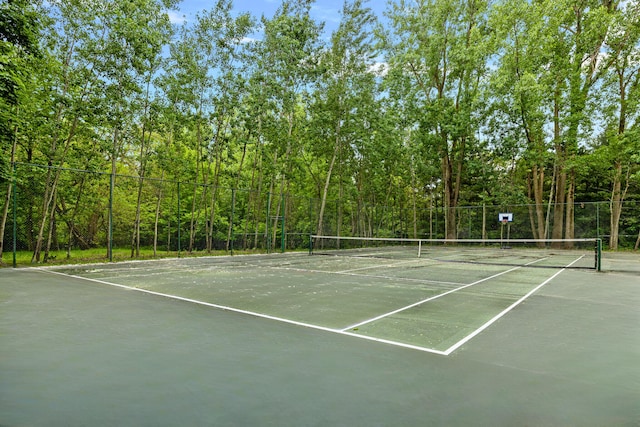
(346, 88)
(19, 30)
(578, 30)
(101, 51)
(151, 58)
(205, 86)
(621, 102)
(519, 98)
(442, 46)
(286, 63)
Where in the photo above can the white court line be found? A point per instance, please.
(378, 266)
(351, 270)
(249, 313)
(343, 331)
(505, 311)
(369, 276)
(382, 316)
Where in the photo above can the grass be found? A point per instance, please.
(78, 256)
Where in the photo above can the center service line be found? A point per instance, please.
(505, 311)
(382, 316)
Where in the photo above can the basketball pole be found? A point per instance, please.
(504, 222)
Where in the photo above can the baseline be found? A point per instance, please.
(246, 312)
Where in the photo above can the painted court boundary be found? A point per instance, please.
(345, 331)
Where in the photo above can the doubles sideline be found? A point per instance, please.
(348, 331)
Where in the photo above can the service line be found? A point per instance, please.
(391, 313)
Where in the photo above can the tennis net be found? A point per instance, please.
(551, 253)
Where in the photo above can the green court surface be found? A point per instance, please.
(298, 340)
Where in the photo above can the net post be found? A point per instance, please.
(310, 244)
(598, 254)
(419, 248)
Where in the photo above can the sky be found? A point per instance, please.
(327, 11)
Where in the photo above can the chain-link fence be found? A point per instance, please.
(75, 216)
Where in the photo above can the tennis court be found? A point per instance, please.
(350, 338)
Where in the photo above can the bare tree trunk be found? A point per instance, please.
(7, 200)
(112, 184)
(144, 150)
(258, 199)
(157, 216)
(52, 219)
(5, 214)
(51, 189)
(617, 199)
(615, 207)
(195, 212)
(135, 237)
(235, 195)
(558, 208)
(325, 191)
(449, 201)
(560, 173)
(538, 194)
(569, 230)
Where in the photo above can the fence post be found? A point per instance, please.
(266, 225)
(310, 217)
(179, 224)
(484, 220)
(282, 237)
(112, 178)
(233, 209)
(14, 188)
(598, 220)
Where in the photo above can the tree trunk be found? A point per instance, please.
(615, 207)
(617, 199)
(5, 210)
(569, 230)
(157, 216)
(112, 185)
(559, 205)
(449, 200)
(325, 191)
(5, 214)
(538, 195)
(51, 190)
(135, 239)
(234, 195)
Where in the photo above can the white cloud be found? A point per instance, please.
(247, 40)
(379, 69)
(326, 14)
(176, 17)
